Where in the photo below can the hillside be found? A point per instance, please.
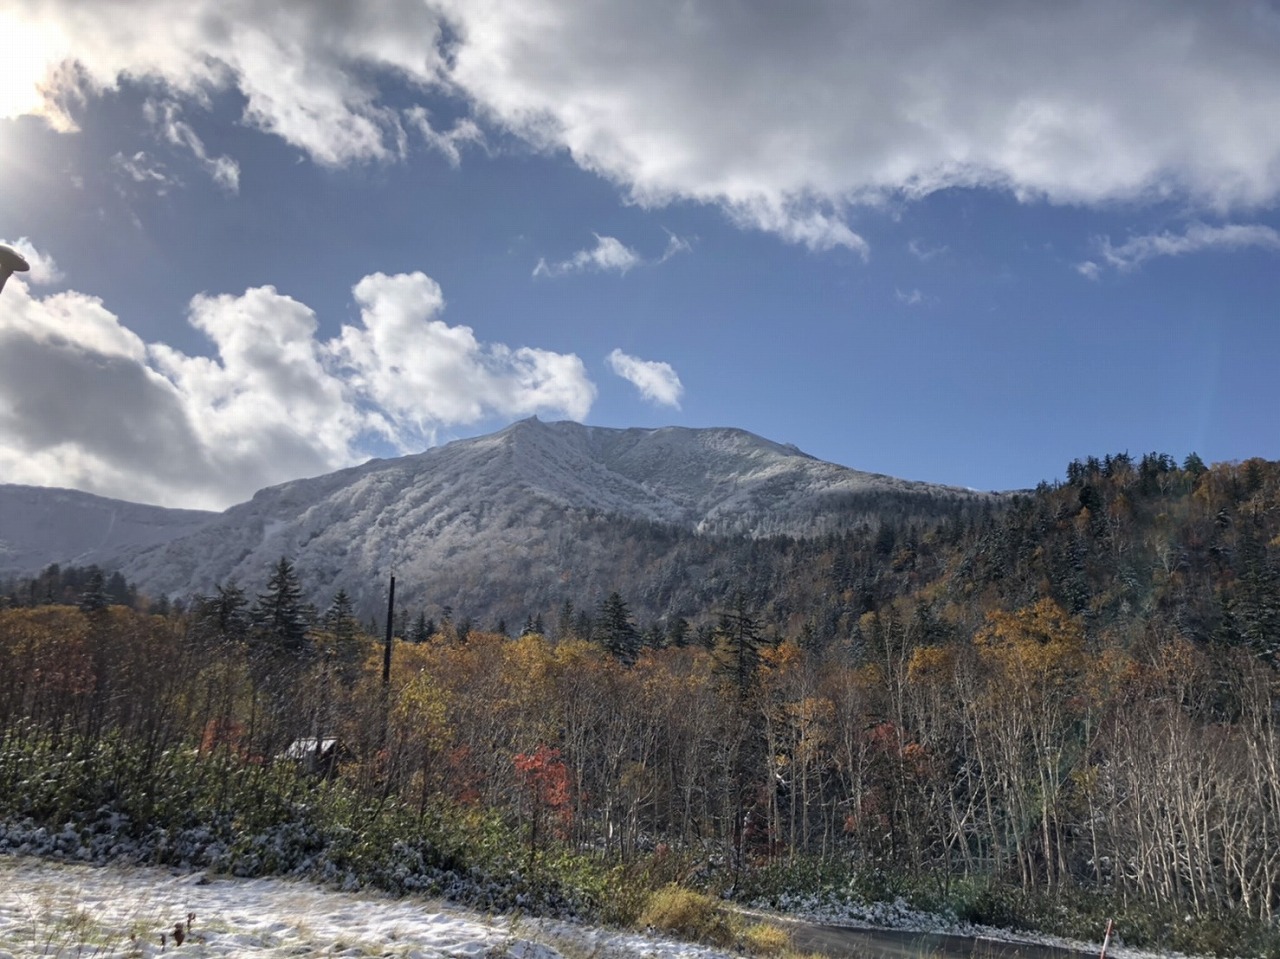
(39, 526)
(513, 524)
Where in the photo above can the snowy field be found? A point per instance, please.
(49, 908)
(52, 909)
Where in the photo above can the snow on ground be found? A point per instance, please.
(53, 909)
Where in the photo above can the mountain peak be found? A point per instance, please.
(534, 508)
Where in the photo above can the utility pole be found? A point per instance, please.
(386, 653)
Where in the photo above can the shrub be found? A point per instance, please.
(689, 915)
(765, 939)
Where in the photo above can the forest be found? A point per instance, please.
(1051, 712)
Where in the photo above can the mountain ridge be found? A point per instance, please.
(515, 517)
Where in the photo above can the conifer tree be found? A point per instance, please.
(617, 632)
(737, 646)
(279, 621)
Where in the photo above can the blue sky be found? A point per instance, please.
(962, 243)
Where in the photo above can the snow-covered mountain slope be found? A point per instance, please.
(41, 526)
(525, 517)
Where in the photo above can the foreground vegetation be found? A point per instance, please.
(1055, 716)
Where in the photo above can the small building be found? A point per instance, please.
(315, 755)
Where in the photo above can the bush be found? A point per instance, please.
(689, 915)
(765, 939)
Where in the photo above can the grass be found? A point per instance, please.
(692, 915)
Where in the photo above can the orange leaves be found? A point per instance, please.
(545, 781)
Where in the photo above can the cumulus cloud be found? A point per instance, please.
(44, 269)
(789, 121)
(910, 297)
(1136, 250)
(274, 401)
(304, 68)
(609, 255)
(421, 373)
(656, 381)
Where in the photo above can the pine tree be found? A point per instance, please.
(423, 629)
(678, 632)
(344, 632)
(279, 621)
(94, 598)
(224, 616)
(737, 646)
(616, 630)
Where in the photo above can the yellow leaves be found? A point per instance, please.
(932, 665)
(1035, 645)
(421, 712)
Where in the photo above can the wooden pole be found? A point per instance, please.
(386, 653)
(1106, 941)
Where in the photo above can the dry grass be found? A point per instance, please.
(689, 915)
(699, 918)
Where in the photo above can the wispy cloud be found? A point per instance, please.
(609, 255)
(675, 245)
(923, 252)
(447, 142)
(656, 381)
(911, 297)
(167, 117)
(144, 170)
(1136, 250)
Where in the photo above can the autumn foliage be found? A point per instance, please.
(1078, 695)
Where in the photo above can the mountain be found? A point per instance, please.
(40, 526)
(516, 522)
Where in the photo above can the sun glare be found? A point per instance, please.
(24, 59)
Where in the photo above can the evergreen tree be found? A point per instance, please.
(616, 630)
(564, 622)
(224, 616)
(678, 632)
(344, 633)
(737, 646)
(278, 618)
(120, 591)
(94, 599)
(423, 628)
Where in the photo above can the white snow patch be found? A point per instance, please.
(54, 909)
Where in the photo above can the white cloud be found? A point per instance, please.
(168, 117)
(675, 246)
(1136, 250)
(909, 298)
(450, 142)
(923, 252)
(148, 422)
(143, 170)
(789, 121)
(1089, 270)
(422, 373)
(656, 381)
(44, 269)
(608, 255)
